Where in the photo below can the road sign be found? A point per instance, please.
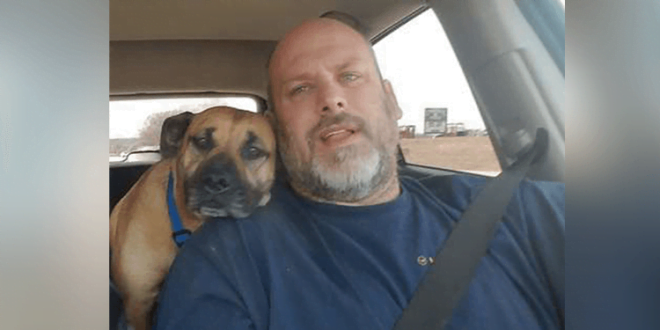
(435, 121)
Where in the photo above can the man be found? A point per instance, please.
(345, 241)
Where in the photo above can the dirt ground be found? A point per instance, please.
(468, 153)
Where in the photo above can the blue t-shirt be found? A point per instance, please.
(298, 264)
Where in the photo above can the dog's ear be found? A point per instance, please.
(172, 133)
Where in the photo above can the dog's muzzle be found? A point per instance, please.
(216, 190)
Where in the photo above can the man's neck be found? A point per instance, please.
(386, 192)
(390, 191)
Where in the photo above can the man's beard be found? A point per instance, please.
(347, 175)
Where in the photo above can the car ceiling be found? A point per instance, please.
(239, 20)
(166, 47)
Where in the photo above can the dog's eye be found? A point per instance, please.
(252, 153)
(203, 143)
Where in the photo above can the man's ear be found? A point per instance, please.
(389, 94)
(172, 133)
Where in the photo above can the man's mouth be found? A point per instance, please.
(336, 133)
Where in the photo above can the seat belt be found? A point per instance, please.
(449, 276)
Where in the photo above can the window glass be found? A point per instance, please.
(135, 124)
(441, 124)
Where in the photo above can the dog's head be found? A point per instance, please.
(226, 158)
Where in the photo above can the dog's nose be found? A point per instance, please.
(216, 183)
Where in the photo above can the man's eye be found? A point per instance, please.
(299, 89)
(350, 76)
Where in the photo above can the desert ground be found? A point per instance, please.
(461, 153)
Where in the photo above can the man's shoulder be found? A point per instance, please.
(461, 189)
(532, 201)
(456, 191)
(229, 231)
(267, 221)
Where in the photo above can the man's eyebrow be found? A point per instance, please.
(349, 63)
(302, 76)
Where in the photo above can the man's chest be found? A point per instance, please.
(347, 274)
(362, 278)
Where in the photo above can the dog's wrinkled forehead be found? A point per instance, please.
(222, 126)
(218, 126)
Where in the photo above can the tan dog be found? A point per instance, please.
(222, 163)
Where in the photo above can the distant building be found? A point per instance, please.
(407, 132)
(456, 129)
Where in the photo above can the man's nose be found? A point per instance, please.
(332, 98)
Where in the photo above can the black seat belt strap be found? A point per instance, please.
(449, 276)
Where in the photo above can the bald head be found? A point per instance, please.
(317, 28)
(310, 36)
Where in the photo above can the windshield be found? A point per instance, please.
(135, 123)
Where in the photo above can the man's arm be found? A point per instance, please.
(198, 294)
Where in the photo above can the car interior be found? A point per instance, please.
(510, 51)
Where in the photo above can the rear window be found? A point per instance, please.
(135, 124)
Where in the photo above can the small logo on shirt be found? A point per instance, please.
(423, 261)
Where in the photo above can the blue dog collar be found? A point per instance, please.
(179, 233)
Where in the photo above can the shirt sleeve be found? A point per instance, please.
(199, 294)
(544, 209)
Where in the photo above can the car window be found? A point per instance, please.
(441, 124)
(135, 124)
